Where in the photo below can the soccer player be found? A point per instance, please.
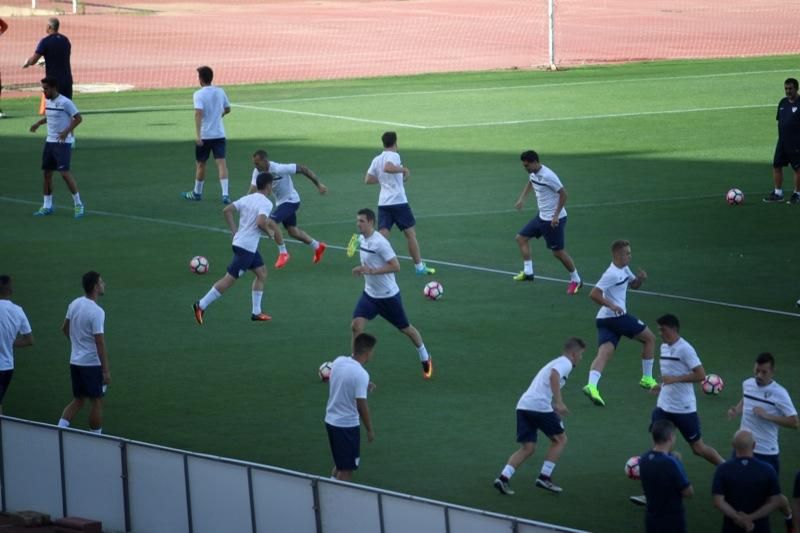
(56, 50)
(347, 404)
(613, 320)
(210, 106)
(288, 201)
(387, 170)
(664, 482)
(541, 408)
(381, 294)
(787, 149)
(15, 332)
(253, 220)
(61, 117)
(550, 222)
(84, 325)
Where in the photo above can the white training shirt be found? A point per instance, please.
(13, 323)
(348, 382)
(86, 320)
(250, 207)
(539, 396)
(614, 284)
(282, 185)
(59, 113)
(212, 101)
(392, 190)
(375, 253)
(546, 186)
(677, 359)
(775, 400)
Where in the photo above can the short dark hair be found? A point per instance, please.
(50, 82)
(5, 285)
(363, 343)
(765, 358)
(389, 139)
(53, 23)
(206, 74)
(263, 180)
(573, 344)
(530, 156)
(90, 280)
(619, 245)
(791, 81)
(662, 431)
(369, 213)
(261, 154)
(669, 320)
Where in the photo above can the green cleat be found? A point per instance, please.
(522, 276)
(425, 271)
(352, 245)
(647, 382)
(79, 211)
(593, 394)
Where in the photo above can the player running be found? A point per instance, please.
(288, 201)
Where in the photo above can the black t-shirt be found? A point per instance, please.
(747, 484)
(56, 49)
(788, 117)
(663, 480)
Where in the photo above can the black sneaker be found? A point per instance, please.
(794, 198)
(772, 198)
(547, 484)
(503, 486)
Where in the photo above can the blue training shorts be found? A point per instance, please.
(5, 381)
(612, 329)
(400, 214)
(390, 308)
(56, 156)
(215, 146)
(345, 446)
(529, 422)
(553, 237)
(87, 381)
(687, 423)
(286, 214)
(244, 260)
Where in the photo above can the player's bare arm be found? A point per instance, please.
(65, 328)
(562, 200)
(640, 278)
(225, 111)
(735, 410)
(597, 297)
(307, 172)
(369, 179)
(269, 227)
(391, 168)
(23, 340)
(77, 119)
(35, 125)
(227, 214)
(99, 341)
(555, 386)
(789, 422)
(198, 122)
(526, 190)
(32, 60)
(363, 412)
(697, 375)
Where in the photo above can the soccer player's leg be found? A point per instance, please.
(345, 446)
(794, 161)
(607, 340)
(391, 309)
(201, 155)
(48, 166)
(554, 238)
(366, 309)
(779, 160)
(531, 230)
(552, 426)
(284, 214)
(526, 437)
(218, 150)
(242, 259)
(260, 271)
(635, 328)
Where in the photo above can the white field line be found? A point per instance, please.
(463, 266)
(326, 115)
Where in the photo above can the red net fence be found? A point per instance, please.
(125, 43)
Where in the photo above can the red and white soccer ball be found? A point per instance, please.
(325, 371)
(433, 290)
(198, 264)
(713, 384)
(735, 197)
(632, 468)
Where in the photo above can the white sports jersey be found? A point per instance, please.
(348, 382)
(775, 401)
(539, 396)
(282, 185)
(678, 359)
(59, 113)
(614, 284)
(375, 253)
(392, 190)
(13, 322)
(546, 186)
(86, 319)
(212, 101)
(250, 207)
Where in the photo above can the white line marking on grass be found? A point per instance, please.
(431, 261)
(326, 115)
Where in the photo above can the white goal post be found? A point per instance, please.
(74, 5)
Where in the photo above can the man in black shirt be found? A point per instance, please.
(787, 151)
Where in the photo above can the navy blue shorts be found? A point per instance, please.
(796, 490)
(215, 146)
(56, 156)
(345, 446)
(774, 460)
(687, 423)
(529, 422)
(786, 155)
(286, 214)
(553, 237)
(87, 381)
(399, 214)
(390, 308)
(5, 381)
(244, 260)
(612, 329)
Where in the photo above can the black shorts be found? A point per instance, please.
(553, 237)
(209, 146)
(529, 422)
(345, 446)
(56, 156)
(687, 423)
(786, 154)
(5, 382)
(87, 381)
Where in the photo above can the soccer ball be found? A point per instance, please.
(713, 384)
(735, 197)
(433, 290)
(199, 264)
(632, 468)
(325, 371)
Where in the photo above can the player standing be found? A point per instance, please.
(613, 320)
(288, 201)
(15, 332)
(253, 220)
(56, 50)
(550, 222)
(387, 170)
(541, 408)
(210, 106)
(381, 294)
(787, 150)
